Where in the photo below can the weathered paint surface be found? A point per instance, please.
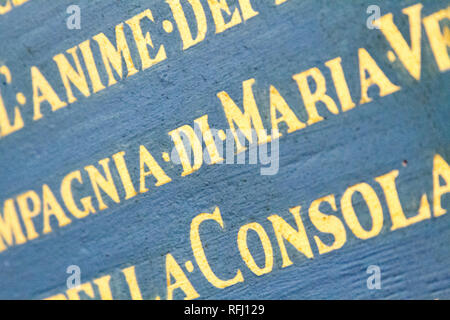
(401, 131)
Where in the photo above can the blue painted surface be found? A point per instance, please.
(323, 159)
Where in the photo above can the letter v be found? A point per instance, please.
(409, 56)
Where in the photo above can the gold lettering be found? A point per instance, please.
(146, 159)
(59, 296)
(327, 224)
(208, 138)
(52, 207)
(244, 120)
(375, 209)
(441, 169)
(245, 252)
(91, 67)
(74, 293)
(184, 156)
(340, 83)
(69, 75)
(439, 41)
(182, 23)
(10, 226)
(247, 9)
(5, 7)
(27, 213)
(310, 99)
(409, 56)
(43, 91)
(181, 281)
(376, 77)
(217, 8)
(130, 277)
(143, 41)
(121, 166)
(100, 182)
(66, 194)
(278, 104)
(199, 252)
(17, 3)
(113, 56)
(6, 127)
(104, 288)
(399, 220)
(297, 238)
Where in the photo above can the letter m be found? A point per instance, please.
(10, 226)
(244, 120)
(112, 56)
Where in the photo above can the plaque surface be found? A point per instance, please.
(194, 149)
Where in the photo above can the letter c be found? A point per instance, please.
(199, 253)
